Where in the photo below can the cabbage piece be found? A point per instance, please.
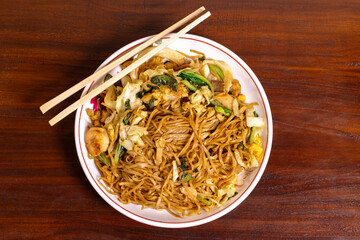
(190, 192)
(229, 190)
(137, 130)
(137, 119)
(110, 98)
(175, 171)
(151, 72)
(129, 92)
(255, 122)
(167, 53)
(200, 98)
(236, 107)
(127, 144)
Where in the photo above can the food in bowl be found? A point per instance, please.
(174, 134)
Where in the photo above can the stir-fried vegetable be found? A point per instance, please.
(220, 108)
(140, 94)
(216, 103)
(183, 163)
(195, 78)
(223, 110)
(186, 177)
(242, 146)
(216, 70)
(252, 135)
(129, 93)
(161, 80)
(189, 85)
(107, 77)
(104, 159)
(119, 150)
(152, 102)
(203, 200)
(128, 115)
(255, 122)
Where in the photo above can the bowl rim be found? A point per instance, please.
(104, 194)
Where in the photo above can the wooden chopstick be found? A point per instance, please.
(50, 104)
(125, 71)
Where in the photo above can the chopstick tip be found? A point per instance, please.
(42, 109)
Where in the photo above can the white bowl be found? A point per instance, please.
(254, 92)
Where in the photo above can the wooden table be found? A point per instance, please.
(305, 53)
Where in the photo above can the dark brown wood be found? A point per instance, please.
(305, 53)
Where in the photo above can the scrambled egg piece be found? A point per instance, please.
(256, 148)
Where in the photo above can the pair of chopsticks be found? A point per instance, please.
(50, 104)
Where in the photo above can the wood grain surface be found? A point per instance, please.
(305, 53)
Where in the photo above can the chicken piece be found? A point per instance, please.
(218, 85)
(96, 141)
(235, 88)
(168, 94)
(182, 91)
(104, 115)
(155, 94)
(225, 99)
(93, 116)
(165, 94)
(160, 144)
(170, 65)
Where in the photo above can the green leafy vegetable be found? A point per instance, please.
(159, 41)
(196, 170)
(216, 103)
(186, 177)
(126, 118)
(202, 58)
(233, 195)
(220, 108)
(195, 78)
(119, 150)
(165, 80)
(127, 105)
(255, 114)
(223, 110)
(189, 85)
(203, 200)
(216, 70)
(140, 94)
(242, 146)
(152, 102)
(107, 77)
(128, 115)
(104, 159)
(152, 87)
(252, 135)
(183, 163)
